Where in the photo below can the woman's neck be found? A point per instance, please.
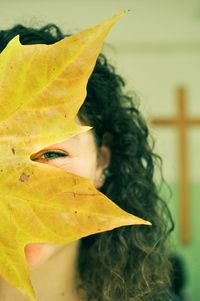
(53, 280)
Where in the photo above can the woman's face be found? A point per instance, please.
(77, 155)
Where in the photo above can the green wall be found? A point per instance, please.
(190, 253)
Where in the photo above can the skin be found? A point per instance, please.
(80, 156)
(77, 155)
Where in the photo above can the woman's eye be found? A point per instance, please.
(53, 155)
(48, 155)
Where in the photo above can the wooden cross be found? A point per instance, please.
(181, 122)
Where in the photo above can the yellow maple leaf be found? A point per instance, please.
(41, 90)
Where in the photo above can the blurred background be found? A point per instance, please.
(156, 47)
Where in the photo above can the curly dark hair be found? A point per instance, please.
(127, 263)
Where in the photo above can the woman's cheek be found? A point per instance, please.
(83, 166)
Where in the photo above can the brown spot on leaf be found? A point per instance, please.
(13, 150)
(24, 177)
